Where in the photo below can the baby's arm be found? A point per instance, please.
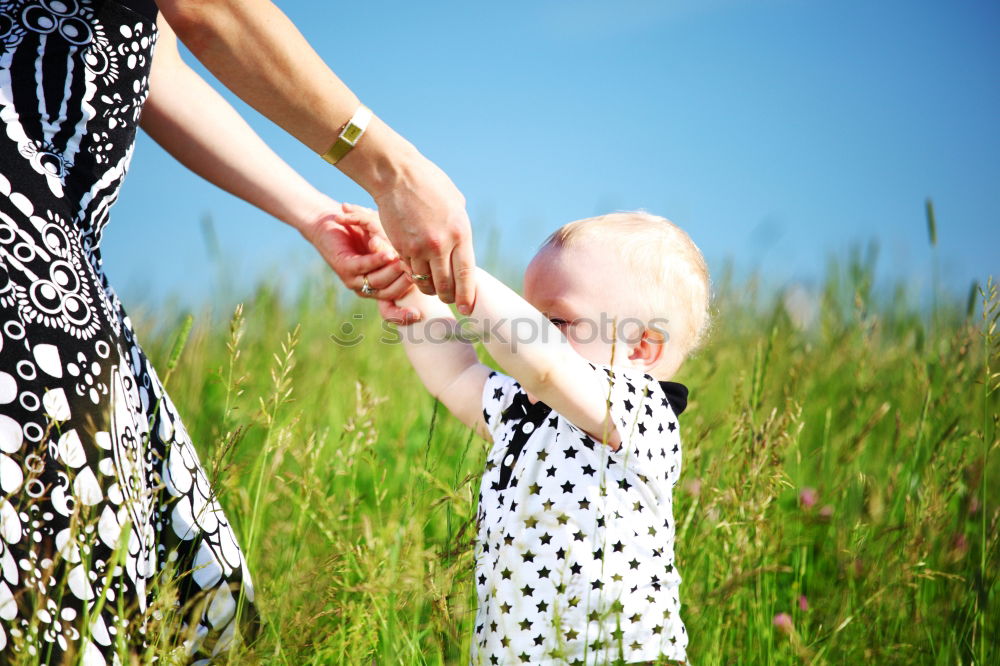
(536, 353)
(447, 365)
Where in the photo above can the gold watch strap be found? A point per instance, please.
(350, 135)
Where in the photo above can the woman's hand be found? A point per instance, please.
(425, 218)
(351, 240)
(252, 47)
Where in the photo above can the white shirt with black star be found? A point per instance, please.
(575, 542)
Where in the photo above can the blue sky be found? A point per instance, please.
(777, 132)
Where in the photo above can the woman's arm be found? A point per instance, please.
(203, 132)
(252, 47)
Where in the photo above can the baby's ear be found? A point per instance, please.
(647, 353)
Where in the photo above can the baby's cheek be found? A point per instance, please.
(594, 344)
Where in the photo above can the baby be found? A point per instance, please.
(575, 541)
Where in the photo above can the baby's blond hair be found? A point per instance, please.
(671, 274)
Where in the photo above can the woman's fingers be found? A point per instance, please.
(397, 289)
(463, 267)
(379, 279)
(444, 285)
(420, 270)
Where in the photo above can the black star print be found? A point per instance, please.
(588, 470)
(497, 393)
(545, 539)
(534, 488)
(527, 591)
(494, 660)
(572, 634)
(561, 554)
(542, 606)
(531, 522)
(542, 455)
(633, 564)
(628, 405)
(567, 487)
(596, 585)
(569, 452)
(672, 426)
(482, 579)
(578, 535)
(524, 657)
(539, 639)
(551, 471)
(548, 504)
(554, 422)
(594, 616)
(544, 572)
(584, 504)
(624, 484)
(599, 554)
(642, 429)
(506, 574)
(618, 546)
(576, 568)
(505, 641)
(574, 602)
(528, 556)
(505, 608)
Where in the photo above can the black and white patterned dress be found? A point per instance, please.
(575, 546)
(94, 462)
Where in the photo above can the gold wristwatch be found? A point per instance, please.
(350, 135)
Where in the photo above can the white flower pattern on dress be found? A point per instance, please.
(102, 487)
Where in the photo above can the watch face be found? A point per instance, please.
(351, 133)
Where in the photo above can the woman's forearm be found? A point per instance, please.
(256, 51)
(252, 48)
(192, 122)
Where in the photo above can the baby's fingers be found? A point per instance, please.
(396, 314)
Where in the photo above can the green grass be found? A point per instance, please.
(353, 494)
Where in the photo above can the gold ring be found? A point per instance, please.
(366, 288)
(420, 276)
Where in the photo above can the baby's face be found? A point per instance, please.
(583, 292)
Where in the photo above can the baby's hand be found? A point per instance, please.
(386, 280)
